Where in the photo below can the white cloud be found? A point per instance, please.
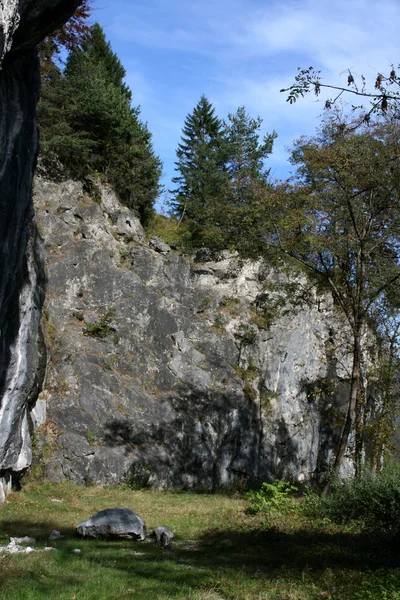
(242, 52)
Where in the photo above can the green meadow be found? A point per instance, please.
(219, 552)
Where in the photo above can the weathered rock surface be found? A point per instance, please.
(171, 372)
(159, 245)
(22, 25)
(162, 536)
(114, 522)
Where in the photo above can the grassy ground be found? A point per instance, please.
(219, 553)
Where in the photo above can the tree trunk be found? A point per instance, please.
(353, 411)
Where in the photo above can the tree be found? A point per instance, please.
(341, 221)
(85, 118)
(202, 180)
(246, 155)
(248, 177)
(68, 37)
(386, 94)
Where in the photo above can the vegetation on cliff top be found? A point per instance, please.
(86, 120)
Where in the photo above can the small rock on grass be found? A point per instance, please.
(162, 536)
(23, 540)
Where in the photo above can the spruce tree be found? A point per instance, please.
(246, 155)
(202, 180)
(86, 119)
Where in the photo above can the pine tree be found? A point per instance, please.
(248, 178)
(202, 180)
(246, 155)
(86, 119)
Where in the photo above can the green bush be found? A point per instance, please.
(372, 502)
(102, 328)
(271, 497)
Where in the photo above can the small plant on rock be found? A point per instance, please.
(102, 328)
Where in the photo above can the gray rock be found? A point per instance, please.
(23, 540)
(114, 522)
(158, 244)
(170, 395)
(22, 25)
(162, 536)
(55, 535)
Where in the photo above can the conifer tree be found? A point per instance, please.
(86, 119)
(246, 155)
(202, 181)
(248, 177)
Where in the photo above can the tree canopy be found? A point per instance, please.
(86, 119)
(202, 179)
(341, 219)
(221, 172)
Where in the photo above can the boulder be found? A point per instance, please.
(158, 244)
(162, 536)
(114, 522)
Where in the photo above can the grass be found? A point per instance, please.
(169, 229)
(219, 552)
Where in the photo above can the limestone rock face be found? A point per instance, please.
(171, 372)
(22, 24)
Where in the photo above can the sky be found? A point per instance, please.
(242, 53)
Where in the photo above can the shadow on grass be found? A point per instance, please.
(253, 555)
(39, 530)
(272, 549)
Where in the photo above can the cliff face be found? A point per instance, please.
(22, 24)
(176, 372)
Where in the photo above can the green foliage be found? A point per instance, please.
(219, 323)
(218, 552)
(205, 304)
(273, 497)
(266, 396)
(102, 328)
(137, 477)
(250, 392)
(246, 334)
(246, 155)
(201, 181)
(172, 231)
(371, 502)
(91, 437)
(85, 118)
(221, 175)
(341, 220)
(230, 305)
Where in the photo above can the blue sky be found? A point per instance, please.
(241, 53)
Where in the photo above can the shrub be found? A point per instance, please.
(102, 328)
(271, 497)
(372, 502)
